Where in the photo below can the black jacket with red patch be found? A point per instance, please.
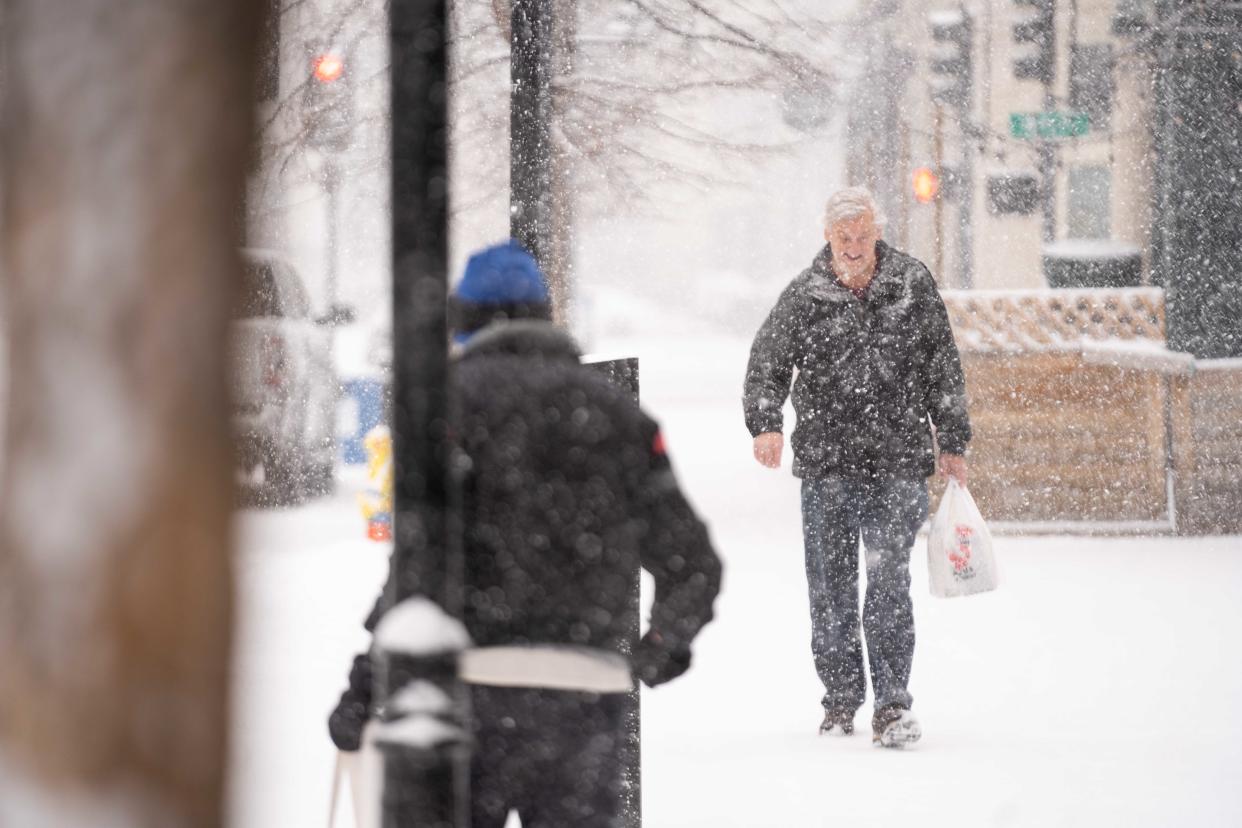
(567, 490)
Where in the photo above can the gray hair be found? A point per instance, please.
(849, 203)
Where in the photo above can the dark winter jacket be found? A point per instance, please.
(870, 371)
(567, 490)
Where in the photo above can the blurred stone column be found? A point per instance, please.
(127, 125)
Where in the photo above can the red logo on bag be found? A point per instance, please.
(960, 553)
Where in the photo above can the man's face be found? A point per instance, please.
(853, 246)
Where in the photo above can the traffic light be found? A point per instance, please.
(951, 57)
(926, 185)
(328, 68)
(327, 103)
(1036, 33)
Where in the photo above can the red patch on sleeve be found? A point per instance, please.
(657, 445)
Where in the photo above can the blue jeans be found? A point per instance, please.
(886, 513)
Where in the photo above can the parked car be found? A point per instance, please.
(284, 388)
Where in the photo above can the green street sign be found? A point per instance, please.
(1045, 125)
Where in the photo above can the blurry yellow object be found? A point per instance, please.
(376, 500)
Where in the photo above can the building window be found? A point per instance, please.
(1090, 202)
(1091, 83)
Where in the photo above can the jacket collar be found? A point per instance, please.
(885, 283)
(521, 337)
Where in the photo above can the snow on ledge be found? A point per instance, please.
(1080, 528)
(1090, 249)
(420, 698)
(418, 732)
(945, 17)
(1138, 355)
(418, 627)
(988, 294)
(1225, 364)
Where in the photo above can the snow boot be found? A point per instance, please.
(894, 727)
(837, 723)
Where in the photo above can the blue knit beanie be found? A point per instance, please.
(500, 282)
(501, 275)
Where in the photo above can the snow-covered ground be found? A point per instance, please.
(1099, 686)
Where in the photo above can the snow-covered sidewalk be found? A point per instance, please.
(1099, 686)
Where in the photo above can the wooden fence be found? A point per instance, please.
(1085, 421)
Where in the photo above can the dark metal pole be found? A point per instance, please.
(425, 767)
(941, 277)
(420, 284)
(530, 126)
(1047, 148)
(332, 184)
(624, 373)
(965, 184)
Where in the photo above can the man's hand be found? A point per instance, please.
(768, 449)
(953, 465)
(655, 662)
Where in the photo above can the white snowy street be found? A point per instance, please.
(1097, 687)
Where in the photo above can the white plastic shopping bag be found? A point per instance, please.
(959, 547)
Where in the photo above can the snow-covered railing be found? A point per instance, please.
(1040, 320)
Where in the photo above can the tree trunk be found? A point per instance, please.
(559, 256)
(126, 127)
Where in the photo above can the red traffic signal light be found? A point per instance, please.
(327, 68)
(327, 103)
(926, 185)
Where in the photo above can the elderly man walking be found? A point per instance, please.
(878, 374)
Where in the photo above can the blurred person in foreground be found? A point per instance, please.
(568, 491)
(877, 371)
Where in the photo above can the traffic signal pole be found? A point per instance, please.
(952, 68)
(1047, 150)
(327, 120)
(421, 732)
(1047, 161)
(965, 184)
(332, 184)
(938, 202)
(1038, 34)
